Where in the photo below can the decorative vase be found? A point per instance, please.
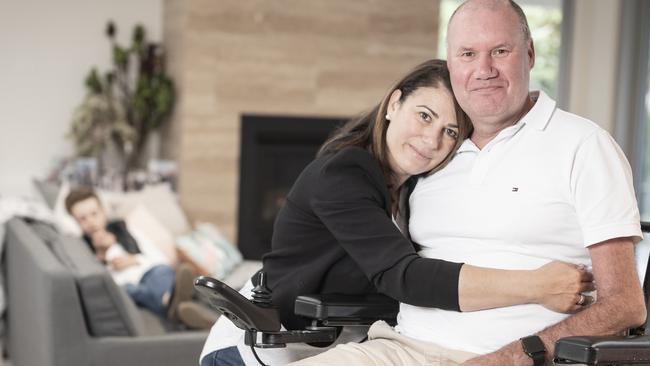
(111, 166)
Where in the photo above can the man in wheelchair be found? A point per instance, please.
(530, 185)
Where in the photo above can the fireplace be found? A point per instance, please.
(274, 150)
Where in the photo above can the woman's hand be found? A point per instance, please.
(559, 286)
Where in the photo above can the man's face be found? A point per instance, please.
(89, 215)
(489, 61)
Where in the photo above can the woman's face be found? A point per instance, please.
(422, 131)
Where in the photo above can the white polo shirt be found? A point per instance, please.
(543, 189)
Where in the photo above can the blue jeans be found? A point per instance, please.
(153, 285)
(223, 357)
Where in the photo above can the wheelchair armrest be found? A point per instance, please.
(241, 311)
(608, 350)
(339, 309)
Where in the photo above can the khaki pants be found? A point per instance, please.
(387, 347)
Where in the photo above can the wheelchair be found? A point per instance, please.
(329, 312)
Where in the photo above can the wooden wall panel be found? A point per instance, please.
(284, 57)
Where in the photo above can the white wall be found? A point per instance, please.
(46, 50)
(594, 60)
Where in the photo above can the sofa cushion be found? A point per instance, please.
(108, 310)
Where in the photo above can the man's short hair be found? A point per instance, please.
(77, 195)
(523, 21)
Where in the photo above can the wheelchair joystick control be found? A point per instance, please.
(258, 317)
(261, 293)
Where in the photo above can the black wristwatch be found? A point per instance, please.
(534, 348)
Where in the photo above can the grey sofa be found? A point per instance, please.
(65, 310)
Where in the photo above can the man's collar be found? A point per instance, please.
(537, 117)
(540, 115)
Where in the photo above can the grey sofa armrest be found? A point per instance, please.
(44, 309)
(169, 349)
(47, 326)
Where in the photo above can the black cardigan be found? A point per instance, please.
(335, 234)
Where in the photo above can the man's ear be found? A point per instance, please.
(393, 101)
(531, 54)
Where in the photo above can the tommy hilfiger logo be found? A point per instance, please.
(515, 189)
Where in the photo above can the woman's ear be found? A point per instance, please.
(393, 101)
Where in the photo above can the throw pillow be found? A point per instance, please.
(64, 221)
(209, 251)
(153, 238)
(161, 202)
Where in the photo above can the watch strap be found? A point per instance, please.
(534, 348)
(538, 358)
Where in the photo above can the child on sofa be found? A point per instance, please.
(149, 282)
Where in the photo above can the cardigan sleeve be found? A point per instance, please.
(350, 199)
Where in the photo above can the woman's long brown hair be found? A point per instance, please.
(369, 129)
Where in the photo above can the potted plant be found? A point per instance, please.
(123, 106)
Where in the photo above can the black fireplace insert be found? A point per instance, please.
(274, 150)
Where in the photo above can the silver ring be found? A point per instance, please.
(582, 300)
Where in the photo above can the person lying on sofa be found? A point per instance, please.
(151, 283)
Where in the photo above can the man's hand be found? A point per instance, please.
(123, 262)
(510, 355)
(491, 359)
